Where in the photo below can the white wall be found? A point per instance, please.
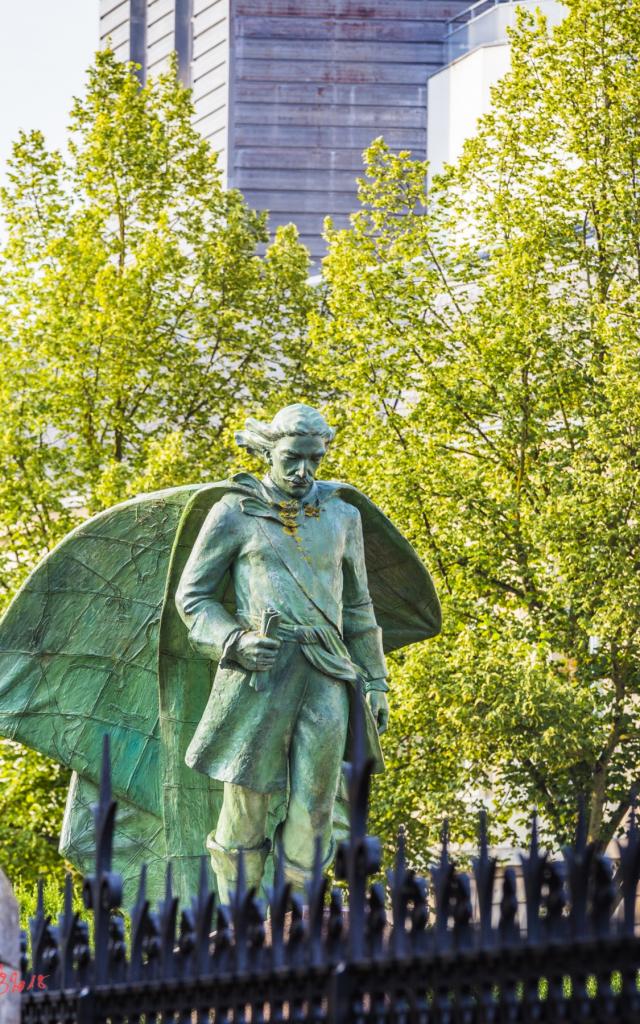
(457, 96)
(461, 92)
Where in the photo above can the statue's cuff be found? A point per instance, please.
(379, 685)
(229, 647)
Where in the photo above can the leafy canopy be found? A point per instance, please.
(135, 310)
(482, 352)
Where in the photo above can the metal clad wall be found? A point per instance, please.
(290, 92)
(314, 82)
(210, 72)
(114, 24)
(161, 18)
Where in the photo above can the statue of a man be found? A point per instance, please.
(278, 712)
(233, 727)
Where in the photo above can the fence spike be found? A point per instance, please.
(142, 886)
(105, 772)
(117, 949)
(139, 914)
(68, 895)
(167, 913)
(335, 926)
(257, 931)
(401, 859)
(223, 940)
(40, 899)
(44, 938)
(633, 810)
(533, 867)
(361, 855)
(186, 942)
(508, 924)
(578, 859)
(603, 895)
(443, 883)
(462, 911)
(295, 942)
(629, 871)
(534, 846)
(68, 935)
(419, 913)
(581, 827)
(376, 920)
(554, 900)
(444, 841)
(203, 913)
(484, 870)
(399, 885)
(239, 915)
(278, 898)
(316, 891)
(102, 891)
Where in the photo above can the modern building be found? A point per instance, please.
(290, 92)
(476, 55)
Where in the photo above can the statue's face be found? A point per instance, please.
(294, 462)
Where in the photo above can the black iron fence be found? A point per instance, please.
(416, 950)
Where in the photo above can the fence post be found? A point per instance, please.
(339, 993)
(9, 954)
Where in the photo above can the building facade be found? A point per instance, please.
(290, 92)
(477, 54)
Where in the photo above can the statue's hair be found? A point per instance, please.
(294, 420)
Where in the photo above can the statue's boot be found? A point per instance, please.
(225, 867)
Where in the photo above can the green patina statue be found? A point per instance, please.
(218, 633)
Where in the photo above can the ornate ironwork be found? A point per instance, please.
(457, 949)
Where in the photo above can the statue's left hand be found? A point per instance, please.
(377, 701)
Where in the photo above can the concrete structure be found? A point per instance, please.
(478, 54)
(9, 953)
(291, 91)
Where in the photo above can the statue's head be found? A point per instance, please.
(293, 444)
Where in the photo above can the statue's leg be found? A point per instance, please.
(315, 763)
(241, 826)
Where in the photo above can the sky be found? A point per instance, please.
(45, 49)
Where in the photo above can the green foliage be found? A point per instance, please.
(32, 795)
(134, 309)
(482, 354)
(26, 894)
(136, 316)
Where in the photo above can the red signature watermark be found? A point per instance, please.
(14, 983)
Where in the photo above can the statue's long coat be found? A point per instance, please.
(93, 643)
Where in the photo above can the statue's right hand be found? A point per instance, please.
(256, 652)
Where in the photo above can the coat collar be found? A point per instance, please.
(273, 498)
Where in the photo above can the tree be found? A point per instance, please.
(136, 316)
(135, 310)
(490, 333)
